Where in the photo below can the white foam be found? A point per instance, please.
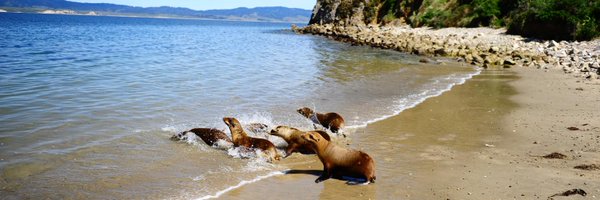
(242, 152)
(416, 99)
(222, 144)
(169, 128)
(242, 183)
(199, 178)
(259, 117)
(258, 159)
(258, 164)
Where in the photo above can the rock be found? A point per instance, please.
(569, 193)
(295, 28)
(573, 51)
(516, 55)
(461, 53)
(477, 58)
(494, 50)
(509, 62)
(440, 52)
(468, 57)
(488, 60)
(553, 44)
(555, 155)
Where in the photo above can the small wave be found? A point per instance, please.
(41, 52)
(169, 128)
(242, 183)
(416, 99)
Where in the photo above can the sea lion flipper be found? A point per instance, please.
(290, 149)
(326, 175)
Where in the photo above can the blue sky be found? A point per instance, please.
(210, 4)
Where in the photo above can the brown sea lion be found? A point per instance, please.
(240, 138)
(209, 135)
(331, 121)
(295, 142)
(338, 161)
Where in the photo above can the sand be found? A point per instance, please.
(484, 139)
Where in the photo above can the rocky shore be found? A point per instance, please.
(484, 47)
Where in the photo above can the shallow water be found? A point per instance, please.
(87, 104)
(440, 149)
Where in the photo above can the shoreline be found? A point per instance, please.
(484, 139)
(468, 143)
(153, 17)
(483, 47)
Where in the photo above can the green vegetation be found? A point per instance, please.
(557, 19)
(545, 19)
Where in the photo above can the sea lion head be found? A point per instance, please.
(234, 127)
(306, 112)
(179, 136)
(283, 131)
(313, 138)
(231, 122)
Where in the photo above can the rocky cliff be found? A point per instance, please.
(544, 19)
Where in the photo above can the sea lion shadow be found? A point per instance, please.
(305, 171)
(349, 180)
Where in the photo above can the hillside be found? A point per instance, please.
(545, 19)
(252, 14)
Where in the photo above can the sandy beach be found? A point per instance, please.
(96, 125)
(484, 139)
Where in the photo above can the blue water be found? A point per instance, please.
(87, 103)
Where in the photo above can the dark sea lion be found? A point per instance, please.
(241, 139)
(209, 135)
(338, 161)
(295, 142)
(331, 121)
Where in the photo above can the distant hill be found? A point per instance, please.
(250, 14)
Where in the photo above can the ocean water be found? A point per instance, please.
(87, 104)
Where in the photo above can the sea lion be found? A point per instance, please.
(338, 161)
(240, 138)
(295, 142)
(209, 135)
(331, 121)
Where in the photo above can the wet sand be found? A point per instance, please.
(481, 140)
